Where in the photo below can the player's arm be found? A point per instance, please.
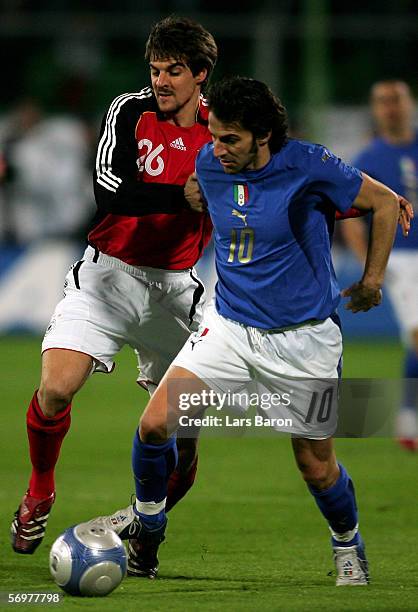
(116, 186)
(383, 203)
(354, 232)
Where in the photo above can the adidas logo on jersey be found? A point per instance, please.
(178, 144)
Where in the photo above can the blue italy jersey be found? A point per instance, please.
(397, 167)
(272, 232)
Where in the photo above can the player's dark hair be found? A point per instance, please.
(252, 105)
(182, 39)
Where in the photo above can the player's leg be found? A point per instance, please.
(333, 491)
(402, 283)
(307, 370)
(407, 422)
(48, 420)
(183, 476)
(82, 336)
(171, 308)
(154, 459)
(64, 372)
(174, 309)
(217, 353)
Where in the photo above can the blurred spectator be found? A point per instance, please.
(392, 158)
(46, 179)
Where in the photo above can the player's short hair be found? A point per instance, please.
(182, 39)
(252, 105)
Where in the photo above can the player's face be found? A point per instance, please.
(236, 148)
(392, 106)
(175, 87)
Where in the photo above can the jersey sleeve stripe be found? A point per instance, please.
(105, 185)
(111, 178)
(107, 142)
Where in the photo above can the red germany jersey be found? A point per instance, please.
(142, 164)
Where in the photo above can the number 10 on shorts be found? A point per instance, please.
(320, 407)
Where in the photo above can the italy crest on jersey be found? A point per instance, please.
(240, 194)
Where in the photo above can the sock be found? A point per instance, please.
(178, 485)
(410, 391)
(338, 506)
(152, 465)
(45, 438)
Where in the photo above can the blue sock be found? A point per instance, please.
(152, 465)
(410, 390)
(338, 506)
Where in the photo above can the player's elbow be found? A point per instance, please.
(377, 198)
(388, 210)
(386, 203)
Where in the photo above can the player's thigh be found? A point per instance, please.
(96, 315)
(212, 361)
(173, 310)
(161, 417)
(159, 338)
(183, 295)
(64, 372)
(310, 351)
(218, 353)
(299, 377)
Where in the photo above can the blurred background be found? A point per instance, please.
(62, 64)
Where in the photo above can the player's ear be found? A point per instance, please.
(264, 140)
(201, 76)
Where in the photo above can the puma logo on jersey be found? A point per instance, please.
(198, 337)
(236, 213)
(178, 144)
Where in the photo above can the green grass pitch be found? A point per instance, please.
(247, 537)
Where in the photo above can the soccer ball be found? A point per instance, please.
(88, 560)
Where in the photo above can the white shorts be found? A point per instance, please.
(302, 364)
(402, 285)
(108, 304)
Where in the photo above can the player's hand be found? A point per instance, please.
(362, 297)
(193, 194)
(406, 214)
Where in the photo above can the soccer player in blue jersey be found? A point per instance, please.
(272, 201)
(392, 157)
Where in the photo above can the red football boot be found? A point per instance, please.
(29, 523)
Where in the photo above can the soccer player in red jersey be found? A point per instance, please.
(135, 283)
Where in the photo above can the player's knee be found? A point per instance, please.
(54, 396)
(320, 475)
(152, 431)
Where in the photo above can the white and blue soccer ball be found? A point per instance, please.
(88, 559)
